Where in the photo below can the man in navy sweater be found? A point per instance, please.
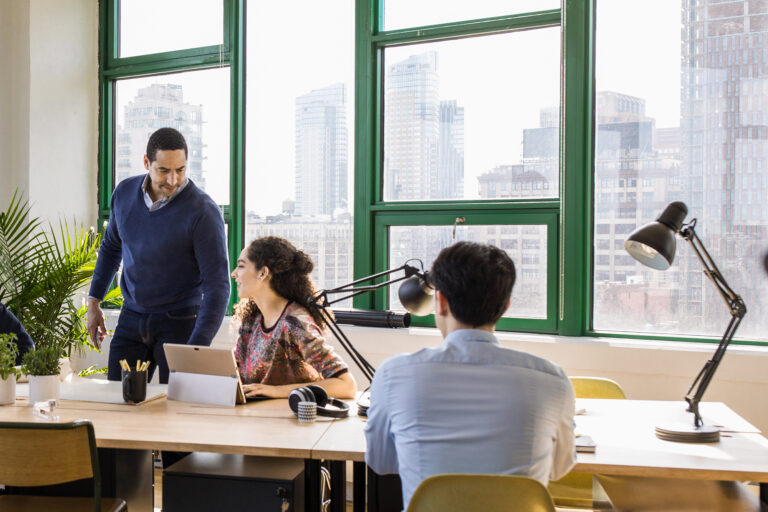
(170, 237)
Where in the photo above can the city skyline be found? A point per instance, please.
(697, 136)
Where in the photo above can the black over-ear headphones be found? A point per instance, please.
(313, 393)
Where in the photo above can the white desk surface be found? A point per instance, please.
(626, 442)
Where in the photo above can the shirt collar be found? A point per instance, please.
(155, 205)
(471, 335)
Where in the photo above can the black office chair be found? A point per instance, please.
(37, 454)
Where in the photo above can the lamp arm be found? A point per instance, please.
(320, 302)
(365, 367)
(734, 302)
(350, 287)
(737, 308)
(353, 292)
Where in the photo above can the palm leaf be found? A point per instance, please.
(41, 273)
(20, 244)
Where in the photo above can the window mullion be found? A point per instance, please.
(576, 143)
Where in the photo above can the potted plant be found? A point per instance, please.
(42, 367)
(8, 352)
(43, 274)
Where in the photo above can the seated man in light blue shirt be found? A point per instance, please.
(470, 405)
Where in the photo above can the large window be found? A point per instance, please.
(371, 133)
(182, 74)
(299, 130)
(194, 102)
(468, 145)
(697, 136)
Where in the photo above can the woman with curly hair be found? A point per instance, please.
(281, 343)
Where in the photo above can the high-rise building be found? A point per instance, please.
(321, 152)
(450, 173)
(424, 136)
(633, 182)
(724, 128)
(511, 181)
(154, 107)
(326, 241)
(412, 126)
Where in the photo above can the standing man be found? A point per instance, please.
(170, 237)
(470, 405)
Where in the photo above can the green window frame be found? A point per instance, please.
(373, 215)
(522, 217)
(569, 219)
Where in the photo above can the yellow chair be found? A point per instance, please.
(575, 489)
(487, 493)
(37, 454)
(596, 387)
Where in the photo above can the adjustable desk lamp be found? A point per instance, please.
(654, 245)
(415, 295)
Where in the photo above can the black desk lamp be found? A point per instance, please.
(654, 245)
(415, 295)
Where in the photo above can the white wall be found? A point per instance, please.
(14, 99)
(49, 106)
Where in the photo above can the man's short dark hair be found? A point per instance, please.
(165, 139)
(476, 279)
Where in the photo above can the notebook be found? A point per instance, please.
(585, 444)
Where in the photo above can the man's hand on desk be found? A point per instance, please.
(95, 322)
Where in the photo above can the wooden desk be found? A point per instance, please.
(626, 443)
(266, 428)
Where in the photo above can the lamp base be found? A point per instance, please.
(681, 433)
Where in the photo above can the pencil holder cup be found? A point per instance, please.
(134, 385)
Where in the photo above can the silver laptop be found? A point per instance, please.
(195, 359)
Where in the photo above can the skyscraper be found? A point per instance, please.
(724, 128)
(321, 152)
(424, 137)
(154, 107)
(450, 173)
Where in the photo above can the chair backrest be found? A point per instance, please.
(35, 454)
(596, 387)
(489, 493)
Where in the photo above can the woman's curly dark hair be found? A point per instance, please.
(290, 269)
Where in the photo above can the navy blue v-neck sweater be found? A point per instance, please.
(173, 257)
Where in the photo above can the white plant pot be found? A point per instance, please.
(43, 387)
(8, 390)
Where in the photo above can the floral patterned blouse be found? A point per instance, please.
(291, 351)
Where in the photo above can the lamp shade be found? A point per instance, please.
(416, 295)
(654, 244)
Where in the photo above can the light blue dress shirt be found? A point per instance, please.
(470, 406)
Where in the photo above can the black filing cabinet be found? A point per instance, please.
(219, 482)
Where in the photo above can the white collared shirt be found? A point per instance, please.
(164, 200)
